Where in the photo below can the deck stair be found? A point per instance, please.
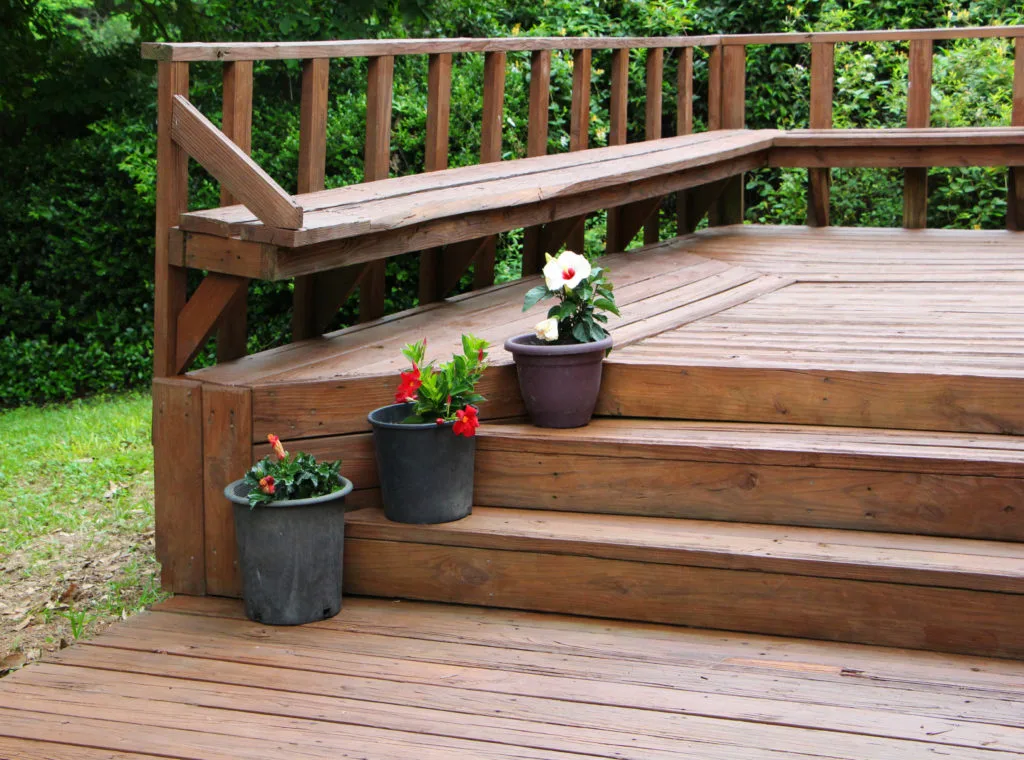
(897, 538)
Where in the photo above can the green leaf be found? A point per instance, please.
(534, 295)
(607, 305)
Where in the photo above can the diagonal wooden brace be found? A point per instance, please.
(204, 312)
(629, 219)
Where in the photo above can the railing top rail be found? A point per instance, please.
(258, 51)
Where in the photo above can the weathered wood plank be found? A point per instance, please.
(822, 92)
(178, 484)
(729, 208)
(170, 281)
(377, 164)
(652, 124)
(439, 97)
(537, 143)
(684, 126)
(618, 118)
(216, 299)
(231, 167)
(227, 454)
(919, 101)
(490, 151)
(1015, 175)
(579, 121)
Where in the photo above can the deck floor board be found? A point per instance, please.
(391, 679)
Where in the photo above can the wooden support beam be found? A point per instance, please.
(231, 167)
(456, 258)
(439, 98)
(700, 200)
(226, 455)
(1015, 176)
(490, 151)
(170, 280)
(215, 297)
(919, 101)
(236, 124)
(729, 207)
(684, 126)
(618, 116)
(579, 123)
(312, 169)
(715, 88)
(631, 218)
(537, 143)
(556, 234)
(822, 90)
(652, 125)
(178, 484)
(376, 165)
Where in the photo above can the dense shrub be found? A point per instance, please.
(77, 152)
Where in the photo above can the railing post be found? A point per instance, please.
(379, 89)
(822, 90)
(171, 201)
(732, 90)
(579, 128)
(919, 101)
(685, 224)
(439, 98)
(618, 115)
(490, 151)
(232, 334)
(652, 125)
(537, 144)
(1015, 176)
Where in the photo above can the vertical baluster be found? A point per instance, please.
(490, 151)
(652, 125)
(685, 224)
(310, 290)
(715, 88)
(379, 89)
(579, 128)
(618, 115)
(919, 101)
(537, 143)
(732, 98)
(439, 98)
(237, 125)
(1015, 176)
(822, 89)
(171, 202)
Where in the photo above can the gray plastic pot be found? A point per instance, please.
(290, 554)
(425, 470)
(559, 383)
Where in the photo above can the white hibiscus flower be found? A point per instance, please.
(567, 271)
(547, 330)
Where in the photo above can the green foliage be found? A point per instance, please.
(77, 146)
(578, 312)
(296, 476)
(441, 392)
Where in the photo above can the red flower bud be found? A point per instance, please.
(267, 485)
(440, 420)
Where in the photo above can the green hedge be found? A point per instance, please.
(77, 153)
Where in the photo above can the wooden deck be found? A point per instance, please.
(410, 680)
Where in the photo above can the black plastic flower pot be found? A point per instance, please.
(290, 555)
(425, 470)
(559, 383)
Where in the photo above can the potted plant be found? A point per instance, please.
(290, 529)
(559, 364)
(425, 441)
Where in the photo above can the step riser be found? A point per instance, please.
(965, 506)
(888, 614)
(894, 400)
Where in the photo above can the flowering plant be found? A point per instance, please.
(582, 291)
(446, 392)
(280, 475)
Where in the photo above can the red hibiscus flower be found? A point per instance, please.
(409, 385)
(267, 485)
(466, 422)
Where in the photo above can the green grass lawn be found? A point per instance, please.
(76, 521)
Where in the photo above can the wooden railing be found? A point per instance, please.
(318, 296)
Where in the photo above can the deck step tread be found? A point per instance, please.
(856, 555)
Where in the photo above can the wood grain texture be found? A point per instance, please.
(729, 208)
(919, 102)
(231, 167)
(490, 151)
(439, 95)
(1015, 174)
(217, 299)
(934, 618)
(377, 164)
(227, 454)
(618, 118)
(655, 75)
(178, 484)
(537, 143)
(170, 281)
(579, 121)
(822, 93)
(233, 333)
(684, 126)
(715, 95)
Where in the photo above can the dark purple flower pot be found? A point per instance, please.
(559, 383)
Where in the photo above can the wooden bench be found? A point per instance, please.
(361, 223)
